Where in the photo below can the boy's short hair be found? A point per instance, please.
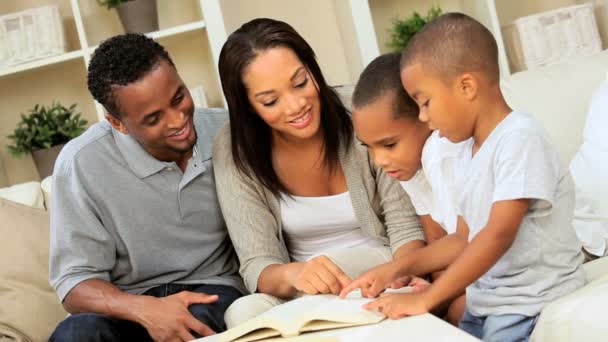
(380, 79)
(454, 44)
(119, 61)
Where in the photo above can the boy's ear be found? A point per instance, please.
(117, 124)
(468, 86)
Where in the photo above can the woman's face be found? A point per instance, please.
(283, 93)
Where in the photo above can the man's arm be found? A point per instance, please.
(82, 254)
(164, 318)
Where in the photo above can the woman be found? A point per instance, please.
(304, 205)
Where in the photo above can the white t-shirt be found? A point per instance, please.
(517, 161)
(431, 190)
(315, 225)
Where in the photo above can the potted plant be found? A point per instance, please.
(403, 29)
(43, 132)
(136, 16)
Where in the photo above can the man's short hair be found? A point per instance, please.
(381, 79)
(451, 45)
(119, 61)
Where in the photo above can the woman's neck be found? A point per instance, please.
(284, 142)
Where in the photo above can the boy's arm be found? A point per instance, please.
(483, 252)
(434, 257)
(480, 255)
(432, 230)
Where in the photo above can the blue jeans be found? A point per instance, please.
(501, 328)
(94, 327)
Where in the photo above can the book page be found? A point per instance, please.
(307, 313)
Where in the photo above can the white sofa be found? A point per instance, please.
(559, 97)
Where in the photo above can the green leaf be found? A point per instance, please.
(111, 3)
(45, 127)
(404, 29)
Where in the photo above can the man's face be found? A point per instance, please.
(157, 111)
(444, 107)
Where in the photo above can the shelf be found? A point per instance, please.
(40, 63)
(190, 27)
(197, 25)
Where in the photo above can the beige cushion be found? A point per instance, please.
(29, 306)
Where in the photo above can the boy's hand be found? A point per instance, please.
(400, 305)
(374, 281)
(418, 284)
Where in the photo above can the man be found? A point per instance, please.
(139, 249)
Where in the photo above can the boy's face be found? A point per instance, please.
(395, 143)
(157, 111)
(444, 106)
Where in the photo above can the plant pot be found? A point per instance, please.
(138, 16)
(45, 160)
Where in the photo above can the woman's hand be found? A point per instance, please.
(319, 275)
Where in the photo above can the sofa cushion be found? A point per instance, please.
(30, 306)
(46, 186)
(28, 194)
(558, 96)
(579, 316)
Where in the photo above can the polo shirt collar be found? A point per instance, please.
(142, 163)
(204, 135)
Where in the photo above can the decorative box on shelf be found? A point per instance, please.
(31, 34)
(551, 37)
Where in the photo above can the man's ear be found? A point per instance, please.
(116, 123)
(468, 86)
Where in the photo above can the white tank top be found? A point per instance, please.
(314, 225)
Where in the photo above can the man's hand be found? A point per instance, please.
(319, 275)
(400, 305)
(168, 318)
(375, 280)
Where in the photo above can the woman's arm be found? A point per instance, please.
(251, 225)
(254, 231)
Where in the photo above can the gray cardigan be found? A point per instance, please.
(253, 213)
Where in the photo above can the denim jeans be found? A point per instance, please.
(94, 327)
(501, 328)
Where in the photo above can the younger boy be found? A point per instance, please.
(515, 196)
(386, 121)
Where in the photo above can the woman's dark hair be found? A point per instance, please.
(251, 137)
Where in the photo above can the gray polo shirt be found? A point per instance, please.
(120, 215)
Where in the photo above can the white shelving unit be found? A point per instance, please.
(494, 14)
(193, 42)
(345, 34)
(85, 52)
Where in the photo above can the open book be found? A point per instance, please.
(304, 314)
